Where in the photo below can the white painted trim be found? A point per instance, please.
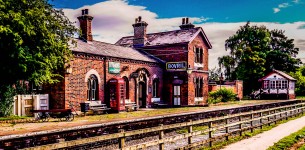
(90, 72)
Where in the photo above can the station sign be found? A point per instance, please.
(176, 66)
(114, 67)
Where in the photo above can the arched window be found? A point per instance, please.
(155, 87)
(126, 87)
(92, 88)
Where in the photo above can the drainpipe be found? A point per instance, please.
(105, 88)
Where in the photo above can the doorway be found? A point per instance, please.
(142, 94)
(177, 95)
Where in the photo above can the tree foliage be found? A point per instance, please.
(255, 51)
(33, 42)
(299, 75)
(214, 74)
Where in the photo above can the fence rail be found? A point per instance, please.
(242, 121)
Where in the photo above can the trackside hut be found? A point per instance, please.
(277, 85)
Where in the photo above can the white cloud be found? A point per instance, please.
(276, 10)
(114, 19)
(296, 1)
(283, 5)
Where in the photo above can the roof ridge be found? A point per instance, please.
(161, 32)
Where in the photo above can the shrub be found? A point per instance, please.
(221, 95)
(6, 100)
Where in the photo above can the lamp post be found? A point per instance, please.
(189, 70)
(220, 79)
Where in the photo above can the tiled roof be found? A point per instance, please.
(110, 50)
(284, 75)
(164, 38)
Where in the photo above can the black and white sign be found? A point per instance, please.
(178, 66)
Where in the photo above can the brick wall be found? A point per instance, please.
(74, 86)
(183, 52)
(236, 87)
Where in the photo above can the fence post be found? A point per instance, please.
(261, 120)
(190, 130)
(269, 112)
(161, 136)
(275, 116)
(286, 113)
(210, 133)
(240, 126)
(252, 116)
(121, 140)
(302, 109)
(227, 129)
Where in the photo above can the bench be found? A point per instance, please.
(97, 107)
(159, 104)
(130, 106)
(60, 114)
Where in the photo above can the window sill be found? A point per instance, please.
(198, 99)
(155, 99)
(198, 65)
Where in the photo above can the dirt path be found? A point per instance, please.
(268, 138)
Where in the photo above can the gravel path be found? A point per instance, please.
(268, 138)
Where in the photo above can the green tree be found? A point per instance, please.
(228, 63)
(214, 74)
(256, 51)
(33, 42)
(299, 75)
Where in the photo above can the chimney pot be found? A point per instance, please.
(187, 21)
(85, 25)
(140, 18)
(183, 20)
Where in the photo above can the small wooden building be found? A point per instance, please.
(277, 85)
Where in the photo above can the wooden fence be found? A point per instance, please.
(243, 121)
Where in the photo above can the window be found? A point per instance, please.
(278, 84)
(92, 88)
(126, 87)
(266, 84)
(155, 87)
(198, 55)
(272, 84)
(284, 84)
(198, 87)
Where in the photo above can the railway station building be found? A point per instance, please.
(169, 68)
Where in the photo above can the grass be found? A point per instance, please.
(300, 97)
(195, 128)
(248, 134)
(13, 118)
(288, 141)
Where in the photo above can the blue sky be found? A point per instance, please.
(216, 10)
(218, 18)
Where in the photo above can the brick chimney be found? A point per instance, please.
(139, 32)
(85, 25)
(186, 25)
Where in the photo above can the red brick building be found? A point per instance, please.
(171, 67)
(184, 53)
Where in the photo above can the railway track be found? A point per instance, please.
(83, 132)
